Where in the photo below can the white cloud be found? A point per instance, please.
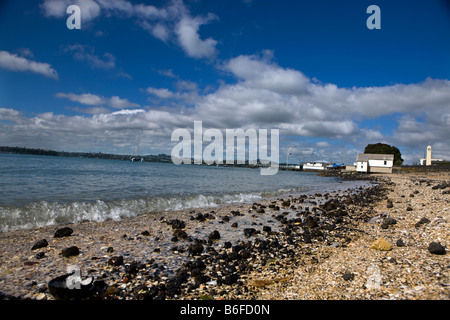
(169, 23)
(160, 93)
(95, 100)
(13, 62)
(57, 8)
(189, 38)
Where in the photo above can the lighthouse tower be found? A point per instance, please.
(428, 158)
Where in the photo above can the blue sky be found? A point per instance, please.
(311, 69)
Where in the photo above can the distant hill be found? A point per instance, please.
(94, 155)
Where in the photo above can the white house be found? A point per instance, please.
(369, 163)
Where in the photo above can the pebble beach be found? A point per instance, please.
(386, 240)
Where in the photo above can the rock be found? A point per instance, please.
(115, 261)
(40, 244)
(422, 221)
(389, 204)
(348, 276)
(40, 255)
(63, 232)
(215, 235)
(390, 221)
(234, 225)
(248, 232)
(180, 234)
(244, 253)
(195, 249)
(436, 248)
(145, 233)
(70, 251)
(267, 229)
(400, 243)
(381, 245)
(409, 209)
(177, 224)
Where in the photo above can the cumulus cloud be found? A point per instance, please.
(189, 38)
(95, 100)
(13, 62)
(169, 23)
(264, 95)
(90, 9)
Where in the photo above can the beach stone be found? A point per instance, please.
(422, 221)
(63, 232)
(115, 261)
(70, 251)
(178, 224)
(348, 276)
(436, 248)
(195, 249)
(400, 243)
(248, 232)
(40, 244)
(381, 245)
(215, 235)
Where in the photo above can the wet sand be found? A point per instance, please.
(312, 246)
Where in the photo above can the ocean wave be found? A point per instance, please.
(45, 213)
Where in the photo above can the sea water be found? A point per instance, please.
(37, 191)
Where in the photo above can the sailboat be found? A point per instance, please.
(137, 158)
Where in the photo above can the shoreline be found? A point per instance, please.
(288, 252)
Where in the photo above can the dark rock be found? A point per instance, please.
(286, 203)
(230, 279)
(63, 232)
(422, 221)
(267, 229)
(409, 209)
(436, 248)
(248, 232)
(40, 244)
(215, 235)
(390, 221)
(400, 243)
(389, 204)
(244, 253)
(234, 225)
(110, 249)
(180, 234)
(115, 261)
(145, 233)
(70, 251)
(40, 255)
(177, 224)
(195, 249)
(348, 276)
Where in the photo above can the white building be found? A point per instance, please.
(370, 163)
(428, 161)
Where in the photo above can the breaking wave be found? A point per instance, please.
(43, 213)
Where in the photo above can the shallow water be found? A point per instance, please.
(45, 190)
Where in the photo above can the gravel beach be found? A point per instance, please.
(388, 240)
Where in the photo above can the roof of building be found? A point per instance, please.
(371, 156)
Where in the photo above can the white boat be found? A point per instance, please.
(316, 165)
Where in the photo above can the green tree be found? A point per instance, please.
(385, 149)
